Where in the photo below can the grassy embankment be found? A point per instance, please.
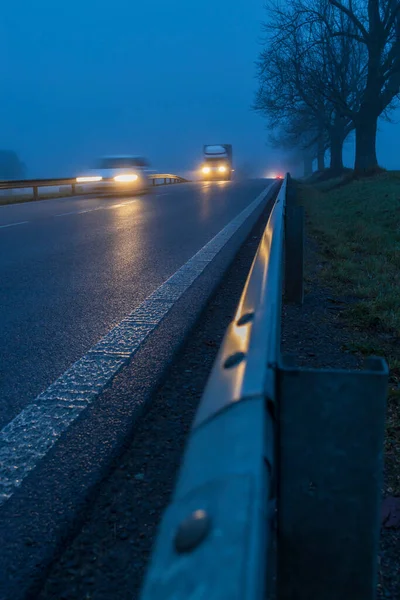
(357, 226)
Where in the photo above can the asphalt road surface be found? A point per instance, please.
(71, 269)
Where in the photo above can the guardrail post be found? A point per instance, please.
(331, 436)
(35, 190)
(73, 189)
(294, 253)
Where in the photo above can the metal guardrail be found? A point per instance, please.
(275, 444)
(167, 178)
(36, 184)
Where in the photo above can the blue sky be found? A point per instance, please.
(82, 79)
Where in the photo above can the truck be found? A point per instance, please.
(217, 162)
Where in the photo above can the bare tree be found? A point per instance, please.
(373, 26)
(300, 137)
(304, 70)
(11, 166)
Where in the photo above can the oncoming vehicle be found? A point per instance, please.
(274, 175)
(217, 163)
(117, 174)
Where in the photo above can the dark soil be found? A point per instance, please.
(317, 334)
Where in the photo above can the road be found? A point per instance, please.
(71, 269)
(108, 557)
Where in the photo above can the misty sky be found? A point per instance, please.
(83, 78)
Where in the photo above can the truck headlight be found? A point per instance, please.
(222, 169)
(125, 178)
(206, 170)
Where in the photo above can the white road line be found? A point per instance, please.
(88, 210)
(34, 431)
(78, 212)
(13, 224)
(122, 204)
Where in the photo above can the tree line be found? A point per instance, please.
(11, 167)
(329, 68)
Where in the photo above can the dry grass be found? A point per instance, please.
(357, 226)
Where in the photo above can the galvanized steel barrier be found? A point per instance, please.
(280, 484)
(36, 184)
(167, 178)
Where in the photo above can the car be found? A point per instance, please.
(117, 174)
(272, 175)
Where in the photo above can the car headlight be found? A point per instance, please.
(206, 170)
(87, 179)
(125, 178)
(222, 169)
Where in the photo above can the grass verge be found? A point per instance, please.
(357, 227)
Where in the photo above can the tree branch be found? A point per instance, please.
(391, 19)
(352, 17)
(351, 36)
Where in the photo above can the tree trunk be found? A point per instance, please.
(336, 163)
(321, 153)
(366, 160)
(308, 162)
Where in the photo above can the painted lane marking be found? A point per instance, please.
(78, 212)
(34, 431)
(13, 224)
(89, 210)
(122, 204)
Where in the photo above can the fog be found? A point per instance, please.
(83, 79)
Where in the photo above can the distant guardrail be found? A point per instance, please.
(36, 184)
(167, 178)
(280, 484)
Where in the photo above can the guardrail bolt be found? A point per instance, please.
(246, 318)
(234, 360)
(192, 531)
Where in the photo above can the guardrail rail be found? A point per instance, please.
(280, 483)
(167, 178)
(76, 187)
